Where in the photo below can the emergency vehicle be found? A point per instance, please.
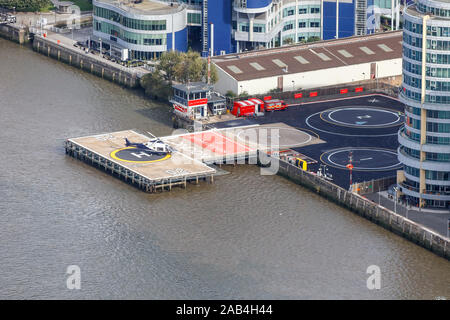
(274, 105)
(256, 107)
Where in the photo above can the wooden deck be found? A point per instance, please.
(148, 173)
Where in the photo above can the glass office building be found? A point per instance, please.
(425, 139)
(146, 28)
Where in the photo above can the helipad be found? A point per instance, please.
(363, 159)
(193, 151)
(139, 167)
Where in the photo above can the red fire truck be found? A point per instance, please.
(256, 107)
(274, 105)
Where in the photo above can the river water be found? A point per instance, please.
(246, 236)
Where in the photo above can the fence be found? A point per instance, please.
(316, 94)
(368, 209)
(373, 185)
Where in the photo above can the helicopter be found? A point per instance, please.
(154, 146)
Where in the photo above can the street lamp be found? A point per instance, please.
(395, 199)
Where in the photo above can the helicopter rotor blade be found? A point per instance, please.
(151, 134)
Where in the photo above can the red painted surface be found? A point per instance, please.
(216, 143)
(343, 91)
(313, 94)
(298, 95)
(197, 102)
(359, 89)
(267, 98)
(240, 111)
(274, 105)
(180, 108)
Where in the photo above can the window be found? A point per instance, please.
(258, 29)
(244, 28)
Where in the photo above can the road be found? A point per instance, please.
(436, 220)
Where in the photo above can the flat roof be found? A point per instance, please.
(215, 97)
(192, 87)
(313, 56)
(145, 7)
(412, 10)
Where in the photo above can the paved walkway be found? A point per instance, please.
(436, 221)
(66, 41)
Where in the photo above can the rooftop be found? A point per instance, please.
(148, 7)
(310, 57)
(412, 10)
(193, 87)
(215, 97)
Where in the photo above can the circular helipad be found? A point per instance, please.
(356, 121)
(273, 136)
(364, 159)
(362, 117)
(135, 155)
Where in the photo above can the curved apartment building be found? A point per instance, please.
(425, 139)
(145, 28)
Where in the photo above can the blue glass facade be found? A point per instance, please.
(425, 139)
(252, 4)
(346, 19)
(238, 24)
(181, 40)
(219, 14)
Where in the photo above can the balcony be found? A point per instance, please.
(415, 192)
(404, 140)
(405, 158)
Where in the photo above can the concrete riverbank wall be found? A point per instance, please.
(86, 62)
(14, 33)
(382, 216)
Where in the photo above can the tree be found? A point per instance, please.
(177, 66)
(190, 67)
(168, 65)
(185, 67)
(230, 94)
(214, 75)
(288, 41)
(313, 39)
(155, 86)
(243, 94)
(25, 5)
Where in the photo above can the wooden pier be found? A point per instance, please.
(146, 173)
(190, 160)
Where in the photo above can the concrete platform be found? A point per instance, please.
(241, 142)
(148, 171)
(191, 156)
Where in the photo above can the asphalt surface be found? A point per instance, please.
(366, 125)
